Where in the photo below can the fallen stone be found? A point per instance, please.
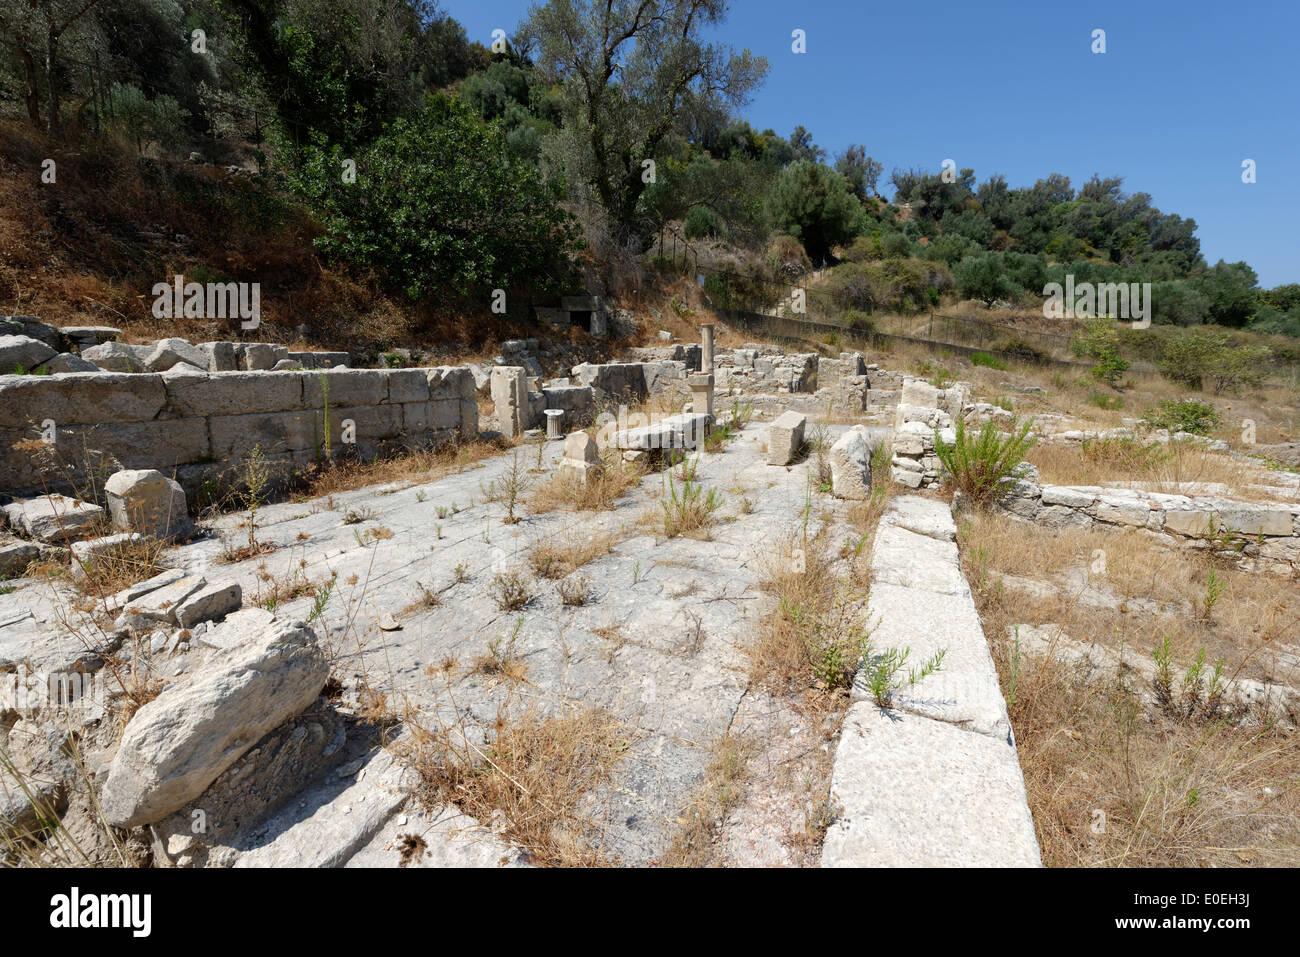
(84, 553)
(168, 352)
(117, 356)
(140, 589)
(22, 352)
(159, 606)
(15, 556)
(262, 356)
(239, 628)
(148, 502)
(179, 743)
(67, 362)
(86, 337)
(53, 518)
(210, 603)
(32, 328)
(785, 438)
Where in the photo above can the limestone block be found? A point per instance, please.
(148, 502)
(177, 744)
(168, 352)
(102, 397)
(785, 438)
(850, 462)
(236, 393)
(22, 352)
(52, 518)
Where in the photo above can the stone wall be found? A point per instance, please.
(201, 425)
(1251, 530)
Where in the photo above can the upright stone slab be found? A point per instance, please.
(510, 396)
(148, 502)
(850, 462)
(785, 438)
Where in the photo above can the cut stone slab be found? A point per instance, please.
(1064, 495)
(84, 553)
(22, 352)
(262, 356)
(148, 502)
(920, 793)
(925, 516)
(337, 824)
(127, 595)
(210, 603)
(32, 328)
(178, 744)
(86, 337)
(785, 438)
(901, 557)
(53, 518)
(684, 431)
(159, 606)
(850, 462)
(965, 691)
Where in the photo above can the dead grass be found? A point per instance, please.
(414, 467)
(535, 782)
(557, 557)
(113, 569)
(600, 492)
(1114, 778)
(1160, 467)
(695, 842)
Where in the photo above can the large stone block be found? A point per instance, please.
(915, 792)
(32, 328)
(222, 356)
(53, 518)
(235, 393)
(468, 419)
(142, 445)
(1240, 519)
(453, 382)
(22, 352)
(785, 438)
(234, 436)
(86, 337)
(68, 400)
(920, 394)
(148, 502)
(117, 356)
(66, 363)
(261, 356)
(350, 388)
(510, 397)
(177, 744)
(408, 385)
(850, 462)
(170, 352)
(371, 423)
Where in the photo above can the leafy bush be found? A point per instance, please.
(1183, 415)
(980, 464)
(1100, 342)
(440, 201)
(985, 278)
(1204, 353)
(813, 203)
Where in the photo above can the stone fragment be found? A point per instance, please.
(148, 502)
(22, 352)
(169, 352)
(117, 356)
(179, 743)
(67, 362)
(53, 518)
(209, 603)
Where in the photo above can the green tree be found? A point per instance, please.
(440, 201)
(812, 203)
(1232, 292)
(984, 278)
(1100, 342)
(862, 172)
(630, 70)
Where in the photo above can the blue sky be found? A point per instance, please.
(1183, 94)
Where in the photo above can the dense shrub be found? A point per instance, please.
(1183, 415)
(981, 464)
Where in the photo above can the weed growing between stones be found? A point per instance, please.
(979, 465)
(599, 492)
(502, 657)
(509, 489)
(254, 483)
(558, 557)
(883, 670)
(511, 590)
(694, 843)
(688, 510)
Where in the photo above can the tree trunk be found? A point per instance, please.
(31, 95)
(54, 126)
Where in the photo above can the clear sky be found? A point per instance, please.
(1186, 90)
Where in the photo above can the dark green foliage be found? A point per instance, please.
(439, 202)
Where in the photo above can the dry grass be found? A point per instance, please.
(1114, 778)
(557, 557)
(414, 467)
(536, 781)
(694, 843)
(1160, 467)
(111, 570)
(599, 492)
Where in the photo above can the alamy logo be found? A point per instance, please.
(215, 300)
(76, 910)
(1087, 300)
